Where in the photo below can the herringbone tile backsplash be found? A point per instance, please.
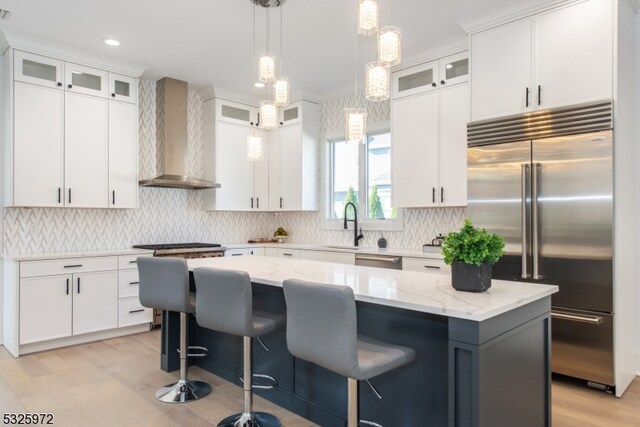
(172, 215)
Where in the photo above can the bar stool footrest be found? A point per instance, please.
(274, 382)
(250, 419)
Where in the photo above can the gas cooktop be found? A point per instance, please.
(177, 246)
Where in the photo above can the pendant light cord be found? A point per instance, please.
(355, 60)
(281, 42)
(389, 11)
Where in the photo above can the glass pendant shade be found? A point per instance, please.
(268, 115)
(266, 68)
(281, 91)
(389, 45)
(377, 82)
(356, 121)
(368, 17)
(254, 148)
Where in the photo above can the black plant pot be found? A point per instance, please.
(470, 277)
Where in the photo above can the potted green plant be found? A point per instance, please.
(471, 252)
(280, 234)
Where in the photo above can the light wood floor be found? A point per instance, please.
(113, 383)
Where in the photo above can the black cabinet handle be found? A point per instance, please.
(442, 82)
(67, 286)
(433, 195)
(441, 194)
(257, 202)
(136, 311)
(285, 254)
(59, 84)
(113, 95)
(280, 202)
(258, 122)
(69, 86)
(236, 254)
(133, 262)
(434, 84)
(251, 123)
(59, 194)
(69, 195)
(433, 267)
(73, 266)
(78, 285)
(281, 123)
(527, 100)
(539, 95)
(134, 283)
(113, 197)
(252, 203)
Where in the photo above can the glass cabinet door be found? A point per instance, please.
(454, 69)
(234, 112)
(37, 69)
(123, 88)
(86, 80)
(291, 114)
(414, 80)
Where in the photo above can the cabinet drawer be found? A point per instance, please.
(425, 264)
(128, 283)
(129, 261)
(131, 312)
(236, 252)
(289, 253)
(67, 266)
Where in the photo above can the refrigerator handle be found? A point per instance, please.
(535, 243)
(523, 218)
(594, 320)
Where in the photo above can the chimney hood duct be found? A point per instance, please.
(171, 148)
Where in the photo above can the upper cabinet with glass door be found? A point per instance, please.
(454, 69)
(123, 88)
(85, 80)
(414, 80)
(36, 69)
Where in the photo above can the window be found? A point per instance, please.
(361, 174)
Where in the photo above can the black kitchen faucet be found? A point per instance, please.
(356, 236)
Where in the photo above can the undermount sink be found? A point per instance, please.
(351, 248)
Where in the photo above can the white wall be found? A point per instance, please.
(637, 179)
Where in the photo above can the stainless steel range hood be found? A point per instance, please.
(171, 149)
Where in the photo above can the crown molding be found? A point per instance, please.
(509, 12)
(21, 42)
(433, 51)
(636, 5)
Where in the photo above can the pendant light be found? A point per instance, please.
(368, 17)
(266, 63)
(389, 45)
(254, 142)
(281, 84)
(356, 118)
(268, 115)
(377, 81)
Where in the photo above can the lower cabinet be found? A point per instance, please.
(244, 251)
(282, 252)
(430, 265)
(326, 256)
(62, 301)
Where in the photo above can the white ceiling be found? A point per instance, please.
(209, 42)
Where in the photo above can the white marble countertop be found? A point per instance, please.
(76, 254)
(415, 253)
(418, 291)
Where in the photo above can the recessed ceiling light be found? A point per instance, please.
(112, 42)
(258, 84)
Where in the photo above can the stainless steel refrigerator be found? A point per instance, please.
(544, 181)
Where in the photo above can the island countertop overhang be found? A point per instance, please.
(418, 291)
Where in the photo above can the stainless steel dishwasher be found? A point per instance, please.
(380, 261)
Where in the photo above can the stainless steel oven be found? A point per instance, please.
(182, 250)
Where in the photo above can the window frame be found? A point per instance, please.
(329, 223)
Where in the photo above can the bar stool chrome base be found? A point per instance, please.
(250, 419)
(183, 391)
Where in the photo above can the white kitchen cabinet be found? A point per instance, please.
(236, 252)
(454, 69)
(37, 69)
(85, 80)
(574, 54)
(123, 88)
(429, 265)
(293, 168)
(45, 308)
(95, 301)
(38, 151)
(256, 251)
(260, 200)
(298, 112)
(282, 252)
(61, 138)
(86, 151)
(130, 311)
(327, 256)
(414, 150)
(123, 155)
(415, 80)
(556, 58)
(429, 141)
(235, 112)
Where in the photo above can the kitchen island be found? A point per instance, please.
(481, 359)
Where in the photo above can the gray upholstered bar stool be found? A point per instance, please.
(322, 328)
(164, 284)
(225, 304)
